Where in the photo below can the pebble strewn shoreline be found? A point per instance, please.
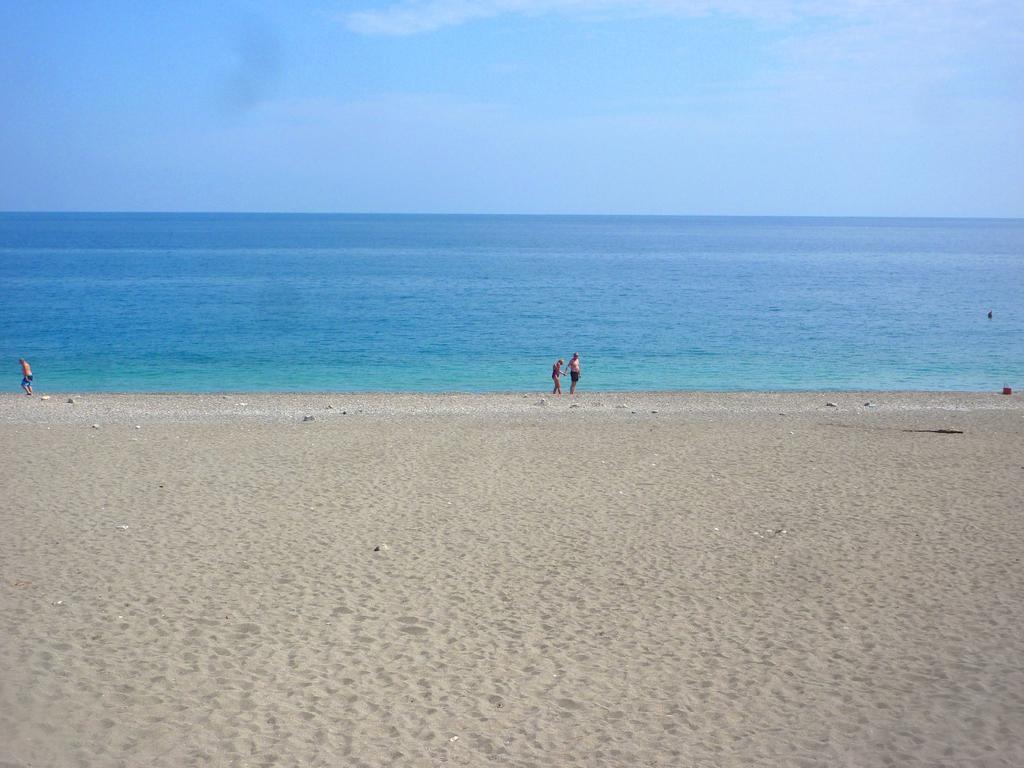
(129, 408)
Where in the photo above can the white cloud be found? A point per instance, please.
(411, 17)
(885, 45)
(849, 29)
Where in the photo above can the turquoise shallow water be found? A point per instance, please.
(207, 302)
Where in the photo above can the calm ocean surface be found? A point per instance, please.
(207, 302)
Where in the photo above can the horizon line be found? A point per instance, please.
(507, 215)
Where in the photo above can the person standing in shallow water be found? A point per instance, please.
(574, 372)
(26, 376)
(556, 371)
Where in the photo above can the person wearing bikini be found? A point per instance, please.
(556, 371)
(574, 372)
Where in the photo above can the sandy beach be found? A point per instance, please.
(616, 579)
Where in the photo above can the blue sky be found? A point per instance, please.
(746, 107)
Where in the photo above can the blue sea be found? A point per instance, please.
(215, 302)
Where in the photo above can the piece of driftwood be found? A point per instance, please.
(938, 431)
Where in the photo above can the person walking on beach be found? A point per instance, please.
(574, 372)
(26, 376)
(556, 371)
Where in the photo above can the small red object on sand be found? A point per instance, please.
(1007, 390)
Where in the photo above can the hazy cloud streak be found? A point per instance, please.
(418, 16)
